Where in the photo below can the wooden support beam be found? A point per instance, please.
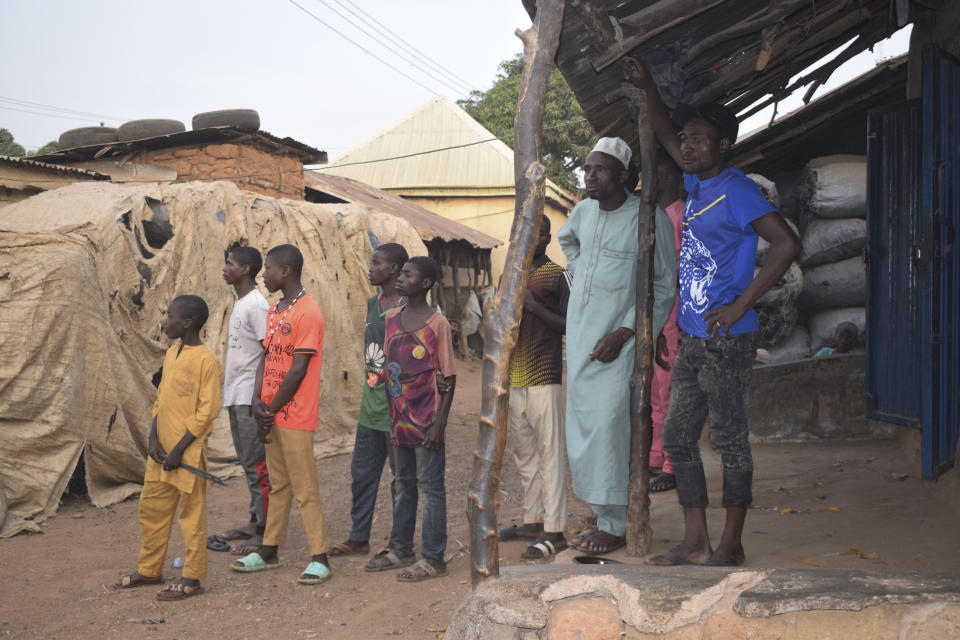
(501, 322)
(639, 529)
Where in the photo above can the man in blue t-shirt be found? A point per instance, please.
(724, 215)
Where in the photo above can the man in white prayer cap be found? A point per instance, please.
(600, 242)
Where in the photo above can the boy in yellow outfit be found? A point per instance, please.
(188, 400)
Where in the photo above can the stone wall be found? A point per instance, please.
(561, 602)
(271, 175)
(812, 399)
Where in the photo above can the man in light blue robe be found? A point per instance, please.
(600, 243)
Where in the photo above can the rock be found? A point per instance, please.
(527, 613)
(584, 619)
(786, 590)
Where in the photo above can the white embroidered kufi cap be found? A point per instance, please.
(615, 147)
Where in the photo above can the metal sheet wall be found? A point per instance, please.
(893, 359)
(940, 300)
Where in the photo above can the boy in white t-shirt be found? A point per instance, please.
(247, 329)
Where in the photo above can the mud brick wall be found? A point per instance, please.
(272, 175)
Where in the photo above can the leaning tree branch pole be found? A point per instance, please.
(501, 320)
(639, 531)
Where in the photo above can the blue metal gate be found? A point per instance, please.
(893, 287)
(940, 300)
(913, 298)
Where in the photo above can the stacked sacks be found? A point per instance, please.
(830, 207)
(833, 193)
(777, 311)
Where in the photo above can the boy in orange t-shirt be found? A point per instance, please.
(286, 396)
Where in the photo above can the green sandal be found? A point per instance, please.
(315, 573)
(252, 563)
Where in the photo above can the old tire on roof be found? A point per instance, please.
(136, 129)
(239, 118)
(86, 135)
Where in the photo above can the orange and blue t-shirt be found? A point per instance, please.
(293, 330)
(412, 361)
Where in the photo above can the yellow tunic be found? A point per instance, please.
(188, 399)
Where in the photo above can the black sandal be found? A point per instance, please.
(663, 482)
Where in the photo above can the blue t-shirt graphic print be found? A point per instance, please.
(719, 247)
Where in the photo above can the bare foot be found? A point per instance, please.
(727, 556)
(680, 555)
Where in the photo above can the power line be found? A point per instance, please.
(47, 107)
(399, 41)
(361, 47)
(49, 115)
(402, 56)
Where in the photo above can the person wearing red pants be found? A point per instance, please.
(669, 197)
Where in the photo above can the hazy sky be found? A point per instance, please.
(172, 59)
(116, 61)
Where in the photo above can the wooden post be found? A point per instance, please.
(639, 530)
(502, 320)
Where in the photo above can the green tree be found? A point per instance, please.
(567, 136)
(50, 147)
(8, 147)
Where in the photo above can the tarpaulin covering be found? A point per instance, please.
(86, 274)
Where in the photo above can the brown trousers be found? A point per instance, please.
(293, 474)
(158, 504)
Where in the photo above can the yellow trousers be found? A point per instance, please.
(293, 474)
(158, 504)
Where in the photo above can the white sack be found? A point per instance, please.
(769, 189)
(840, 284)
(829, 240)
(795, 347)
(776, 322)
(787, 289)
(834, 187)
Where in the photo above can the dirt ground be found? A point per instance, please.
(844, 505)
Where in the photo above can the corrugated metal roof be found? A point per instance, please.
(59, 168)
(428, 224)
(438, 145)
(306, 153)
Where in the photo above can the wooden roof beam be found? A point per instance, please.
(731, 79)
(665, 13)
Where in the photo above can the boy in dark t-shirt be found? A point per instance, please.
(372, 443)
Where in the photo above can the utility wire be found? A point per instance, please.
(49, 115)
(399, 41)
(47, 107)
(401, 55)
(361, 47)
